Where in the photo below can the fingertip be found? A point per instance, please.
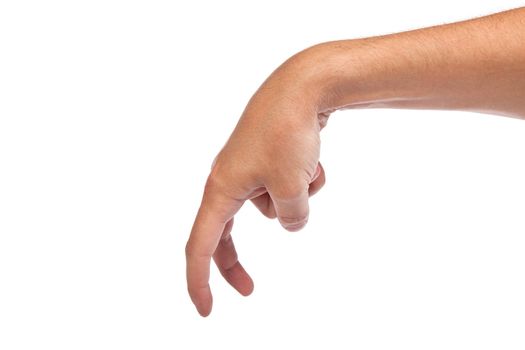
(293, 225)
(203, 301)
(294, 228)
(204, 312)
(239, 279)
(247, 288)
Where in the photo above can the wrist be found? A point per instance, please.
(359, 73)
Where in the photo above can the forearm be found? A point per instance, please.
(476, 65)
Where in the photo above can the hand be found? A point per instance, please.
(272, 159)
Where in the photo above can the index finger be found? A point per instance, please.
(215, 211)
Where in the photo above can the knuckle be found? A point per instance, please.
(213, 183)
(227, 181)
(215, 192)
(194, 252)
(218, 177)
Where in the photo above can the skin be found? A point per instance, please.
(272, 156)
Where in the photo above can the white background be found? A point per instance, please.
(110, 115)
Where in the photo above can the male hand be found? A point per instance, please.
(272, 159)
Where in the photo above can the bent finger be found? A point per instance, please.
(227, 261)
(291, 204)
